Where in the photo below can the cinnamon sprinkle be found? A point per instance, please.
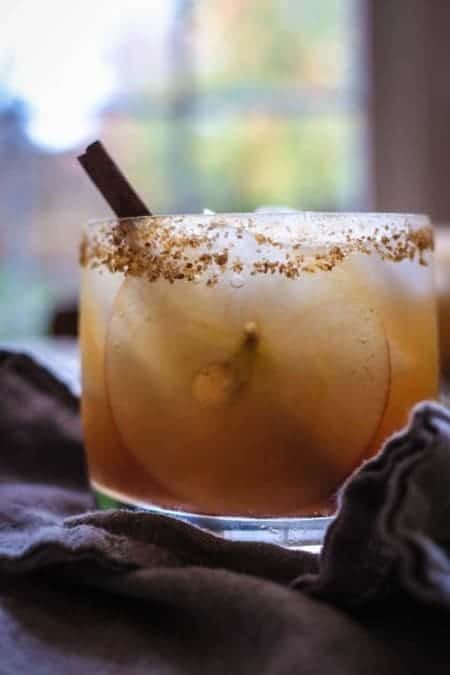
(169, 248)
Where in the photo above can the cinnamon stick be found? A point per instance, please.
(110, 181)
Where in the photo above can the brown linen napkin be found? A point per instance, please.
(393, 530)
(128, 592)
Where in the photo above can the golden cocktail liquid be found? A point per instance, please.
(243, 365)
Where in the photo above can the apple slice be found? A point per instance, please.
(403, 294)
(256, 400)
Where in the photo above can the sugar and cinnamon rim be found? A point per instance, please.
(198, 247)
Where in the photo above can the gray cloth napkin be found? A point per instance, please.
(114, 592)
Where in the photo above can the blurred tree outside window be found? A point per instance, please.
(224, 104)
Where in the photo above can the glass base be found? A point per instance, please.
(297, 533)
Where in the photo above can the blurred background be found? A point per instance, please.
(224, 104)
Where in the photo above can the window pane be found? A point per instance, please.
(242, 163)
(292, 42)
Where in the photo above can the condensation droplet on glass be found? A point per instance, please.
(237, 281)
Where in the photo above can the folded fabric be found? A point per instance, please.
(130, 592)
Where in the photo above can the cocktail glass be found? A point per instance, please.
(238, 367)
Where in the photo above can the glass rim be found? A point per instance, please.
(190, 246)
(392, 219)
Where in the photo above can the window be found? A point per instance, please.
(225, 104)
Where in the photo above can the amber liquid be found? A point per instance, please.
(442, 275)
(256, 400)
